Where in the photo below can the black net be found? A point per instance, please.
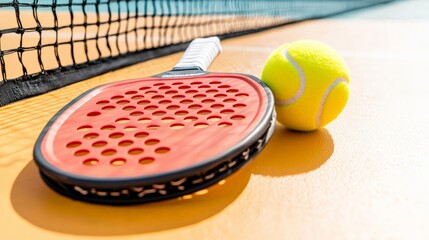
(47, 44)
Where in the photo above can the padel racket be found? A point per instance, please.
(159, 137)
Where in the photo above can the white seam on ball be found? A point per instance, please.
(325, 96)
(301, 81)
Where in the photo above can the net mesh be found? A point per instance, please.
(47, 44)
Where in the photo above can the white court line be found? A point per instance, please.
(388, 55)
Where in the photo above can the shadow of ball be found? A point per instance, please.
(291, 153)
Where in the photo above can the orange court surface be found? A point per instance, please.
(364, 176)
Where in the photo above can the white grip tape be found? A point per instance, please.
(200, 53)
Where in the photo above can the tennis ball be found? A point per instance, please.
(310, 84)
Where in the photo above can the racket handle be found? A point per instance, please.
(200, 53)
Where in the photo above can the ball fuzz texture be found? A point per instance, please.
(310, 83)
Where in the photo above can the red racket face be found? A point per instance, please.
(153, 126)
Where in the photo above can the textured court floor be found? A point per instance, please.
(364, 176)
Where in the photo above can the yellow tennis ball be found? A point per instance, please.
(310, 83)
